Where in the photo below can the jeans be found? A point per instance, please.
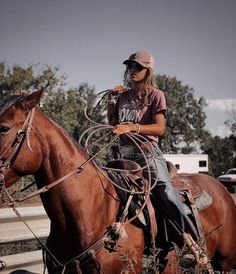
(166, 197)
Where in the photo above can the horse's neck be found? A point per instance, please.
(81, 195)
(60, 154)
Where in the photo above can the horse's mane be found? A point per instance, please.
(9, 101)
(64, 132)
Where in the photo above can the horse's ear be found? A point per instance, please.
(31, 100)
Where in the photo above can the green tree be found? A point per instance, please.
(231, 124)
(27, 79)
(231, 121)
(67, 107)
(185, 117)
(220, 152)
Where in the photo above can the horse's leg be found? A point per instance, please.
(218, 221)
(221, 243)
(128, 255)
(225, 255)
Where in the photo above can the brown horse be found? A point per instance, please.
(83, 205)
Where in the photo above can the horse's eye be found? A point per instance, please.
(4, 129)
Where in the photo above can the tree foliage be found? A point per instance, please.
(221, 153)
(68, 108)
(185, 117)
(231, 121)
(27, 79)
(65, 106)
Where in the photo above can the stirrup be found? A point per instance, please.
(200, 257)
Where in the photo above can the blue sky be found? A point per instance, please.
(192, 40)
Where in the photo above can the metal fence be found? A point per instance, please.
(13, 230)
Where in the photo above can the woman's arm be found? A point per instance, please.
(155, 129)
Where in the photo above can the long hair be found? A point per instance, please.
(149, 85)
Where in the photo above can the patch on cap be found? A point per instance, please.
(144, 58)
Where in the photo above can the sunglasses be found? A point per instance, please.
(135, 66)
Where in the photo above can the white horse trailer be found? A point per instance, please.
(189, 163)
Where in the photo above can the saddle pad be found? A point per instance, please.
(202, 202)
(182, 183)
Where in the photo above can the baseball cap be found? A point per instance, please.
(143, 58)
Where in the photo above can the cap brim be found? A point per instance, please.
(128, 61)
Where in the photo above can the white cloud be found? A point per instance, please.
(221, 104)
(221, 131)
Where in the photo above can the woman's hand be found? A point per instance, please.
(122, 129)
(118, 89)
(156, 129)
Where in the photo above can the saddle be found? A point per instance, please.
(193, 196)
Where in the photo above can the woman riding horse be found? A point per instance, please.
(81, 203)
(142, 109)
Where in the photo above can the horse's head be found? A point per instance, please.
(16, 144)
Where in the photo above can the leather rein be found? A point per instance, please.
(108, 240)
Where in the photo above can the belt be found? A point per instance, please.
(130, 150)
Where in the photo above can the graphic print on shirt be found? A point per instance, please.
(129, 114)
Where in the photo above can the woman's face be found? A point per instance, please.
(136, 72)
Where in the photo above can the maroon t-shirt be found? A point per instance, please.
(130, 108)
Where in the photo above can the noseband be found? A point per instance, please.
(9, 154)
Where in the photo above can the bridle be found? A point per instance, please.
(10, 153)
